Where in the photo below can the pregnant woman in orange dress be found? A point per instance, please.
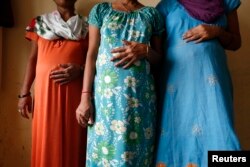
(59, 45)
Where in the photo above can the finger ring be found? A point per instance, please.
(115, 54)
(19, 110)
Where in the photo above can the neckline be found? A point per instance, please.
(126, 12)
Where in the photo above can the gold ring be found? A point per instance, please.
(115, 54)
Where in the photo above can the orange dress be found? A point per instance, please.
(57, 139)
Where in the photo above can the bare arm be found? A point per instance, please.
(156, 50)
(231, 38)
(89, 71)
(24, 104)
(84, 112)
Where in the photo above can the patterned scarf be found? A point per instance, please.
(51, 26)
(205, 10)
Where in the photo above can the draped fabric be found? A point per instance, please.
(6, 16)
(205, 10)
(195, 99)
(51, 26)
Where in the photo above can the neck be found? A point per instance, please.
(66, 13)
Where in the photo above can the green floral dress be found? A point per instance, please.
(125, 110)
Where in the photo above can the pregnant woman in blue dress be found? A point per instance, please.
(196, 92)
(124, 127)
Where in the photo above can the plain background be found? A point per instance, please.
(15, 132)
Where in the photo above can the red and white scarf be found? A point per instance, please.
(51, 26)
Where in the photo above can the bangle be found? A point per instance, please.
(87, 92)
(24, 95)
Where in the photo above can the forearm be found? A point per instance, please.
(89, 74)
(29, 75)
(229, 40)
(155, 51)
(90, 67)
(153, 56)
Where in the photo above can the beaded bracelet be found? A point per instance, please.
(24, 95)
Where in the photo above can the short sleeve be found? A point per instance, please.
(32, 36)
(158, 23)
(96, 14)
(31, 31)
(161, 7)
(231, 5)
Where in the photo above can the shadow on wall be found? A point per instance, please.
(14, 131)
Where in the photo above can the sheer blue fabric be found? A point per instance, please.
(196, 100)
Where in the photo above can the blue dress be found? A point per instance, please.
(196, 100)
(124, 129)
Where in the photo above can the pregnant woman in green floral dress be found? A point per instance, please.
(123, 130)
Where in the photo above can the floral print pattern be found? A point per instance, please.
(124, 129)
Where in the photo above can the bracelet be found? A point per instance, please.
(87, 92)
(24, 95)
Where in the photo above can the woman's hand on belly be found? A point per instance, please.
(201, 33)
(130, 53)
(65, 73)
